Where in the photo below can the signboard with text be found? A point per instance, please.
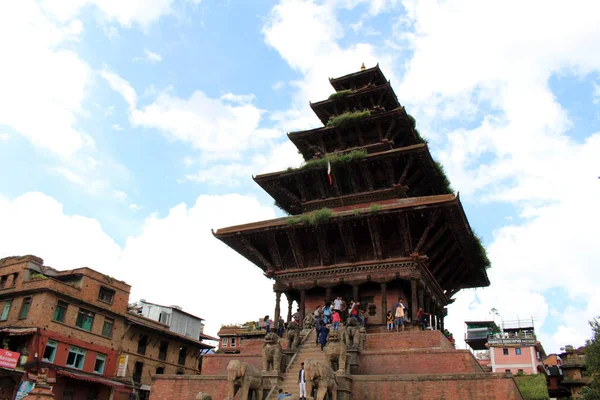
(8, 359)
(506, 341)
(122, 368)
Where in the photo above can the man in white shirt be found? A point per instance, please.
(337, 304)
(302, 383)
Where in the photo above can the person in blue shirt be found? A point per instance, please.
(282, 395)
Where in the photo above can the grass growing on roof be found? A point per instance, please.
(413, 124)
(482, 251)
(340, 94)
(314, 218)
(442, 174)
(533, 387)
(276, 204)
(348, 117)
(374, 208)
(334, 159)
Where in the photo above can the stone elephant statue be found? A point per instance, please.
(352, 333)
(271, 353)
(241, 375)
(335, 351)
(293, 335)
(309, 322)
(320, 376)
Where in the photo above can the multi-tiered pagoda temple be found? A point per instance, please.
(383, 224)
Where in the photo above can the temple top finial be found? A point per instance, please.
(362, 67)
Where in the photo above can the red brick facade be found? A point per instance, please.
(77, 326)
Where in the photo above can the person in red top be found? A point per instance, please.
(336, 320)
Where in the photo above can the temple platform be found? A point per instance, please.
(390, 366)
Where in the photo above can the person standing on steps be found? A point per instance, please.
(302, 383)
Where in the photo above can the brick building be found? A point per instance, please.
(565, 373)
(511, 348)
(240, 338)
(76, 324)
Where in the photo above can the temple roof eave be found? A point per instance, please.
(401, 204)
(338, 83)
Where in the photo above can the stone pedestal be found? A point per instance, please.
(287, 358)
(353, 360)
(270, 379)
(344, 382)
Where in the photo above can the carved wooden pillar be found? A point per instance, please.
(277, 308)
(302, 304)
(355, 293)
(328, 294)
(290, 301)
(383, 303)
(413, 294)
(421, 290)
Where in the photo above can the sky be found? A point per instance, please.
(130, 129)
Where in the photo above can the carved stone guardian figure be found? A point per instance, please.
(309, 322)
(352, 333)
(271, 353)
(335, 351)
(320, 376)
(241, 375)
(293, 335)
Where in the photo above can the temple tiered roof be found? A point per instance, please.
(386, 213)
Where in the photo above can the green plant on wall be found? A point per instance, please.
(314, 218)
(340, 94)
(334, 159)
(348, 117)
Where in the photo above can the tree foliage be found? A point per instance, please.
(592, 363)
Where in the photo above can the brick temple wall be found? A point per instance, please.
(450, 387)
(186, 387)
(408, 340)
(216, 364)
(418, 362)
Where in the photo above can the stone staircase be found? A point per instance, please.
(308, 350)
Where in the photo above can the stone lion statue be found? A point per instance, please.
(308, 322)
(320, 376)
(293, 335)
(335, 351)
(352, 332)
(271, 353)
(203, 396)
(241, 375)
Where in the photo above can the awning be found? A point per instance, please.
(89, 378)
(19, 331)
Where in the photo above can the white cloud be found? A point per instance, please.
(466, 67)
(121, 86)
(117, 127)
(305, 33)
(4, 136)
(109, 111)
(178, 248)
(238, 98)
(135, 207)
(38, 77)
(120, 195)
(150, 57)
(127, 13)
